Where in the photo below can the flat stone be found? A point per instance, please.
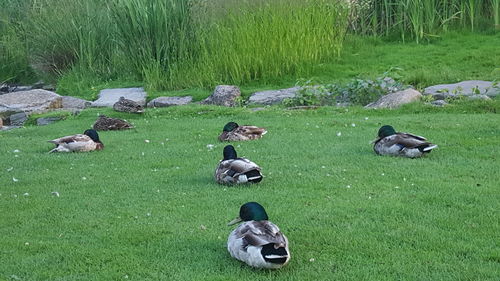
(439, 103)
(29, 101)
(170, 101)
(108, 97)
(47, 120)
(18, 119)
(72, 102)
(466, 88)
(396, 99)
(7, 128)
(273, 96)
(20, 88)
(224, 95)
(479, 97)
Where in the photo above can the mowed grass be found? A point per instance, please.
(151, 211)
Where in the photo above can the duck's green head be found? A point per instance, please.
(386, 131)
(92, 134)
(251, 211)
(230, 126)
(229, 152)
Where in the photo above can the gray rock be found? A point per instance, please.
(479, 97)
(439, 103)
(20, 88)
(4, 88)
(224, 95)
(6, 128)
(29, 101)
(18, 119)
(108, 97)
(129, 106)
(466, 88)
(272, 96)
(72, 102)
(170, 101)
(396, 99)
(47, 120)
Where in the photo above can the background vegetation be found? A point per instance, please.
(179, 44)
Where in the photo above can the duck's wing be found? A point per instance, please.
(71, 139)
(406, 140)
(251, 132)
(259, 233)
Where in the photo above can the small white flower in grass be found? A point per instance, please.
(366, 118)
(382, 174)
(16, 151)
(15, 195)
(15, 180)
(348, 186)
(148, 214)
(142, 153)
(369, 197)
(202, 227)
(16, 155)
(146, 141)
(323, 167)
(26, 194)
(396, 187)
(353, 125)
(312, 259)
(404, 179)
(125, 276)
(167, 139)
(239, 145)
(317, 127)
(136, 217)
(10, 169)
(339, 134)
(55, 193)
(84, 178)
(27, 243)
(327, 175)
(162, 143)
(210, 146)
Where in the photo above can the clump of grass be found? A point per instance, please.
(422, 19)
(268, 39)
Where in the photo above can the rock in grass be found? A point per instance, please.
(18, 119)
(105, 123)
(273, 96)
(27, 101)
(439, 103)
(129, 106)
(464, 88)
(396, 99)
(108, 97)
(47, 120)
(223, 95)
(72, 102)
(170, 101)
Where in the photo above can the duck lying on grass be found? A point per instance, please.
(257, 241)
(233, 132)
(234, 170)
(105, 123)
(389, 142)
(89, 141)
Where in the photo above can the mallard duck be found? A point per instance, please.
(89, 141)
(389, 142)
(126, 105)
(234, 170)
(257, 241)
(233, 132)
(105, 123)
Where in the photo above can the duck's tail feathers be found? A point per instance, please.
(273, 255)
(426, 147)
(254, 176)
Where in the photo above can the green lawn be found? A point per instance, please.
(151, 210)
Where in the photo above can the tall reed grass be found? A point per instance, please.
(421, 19)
